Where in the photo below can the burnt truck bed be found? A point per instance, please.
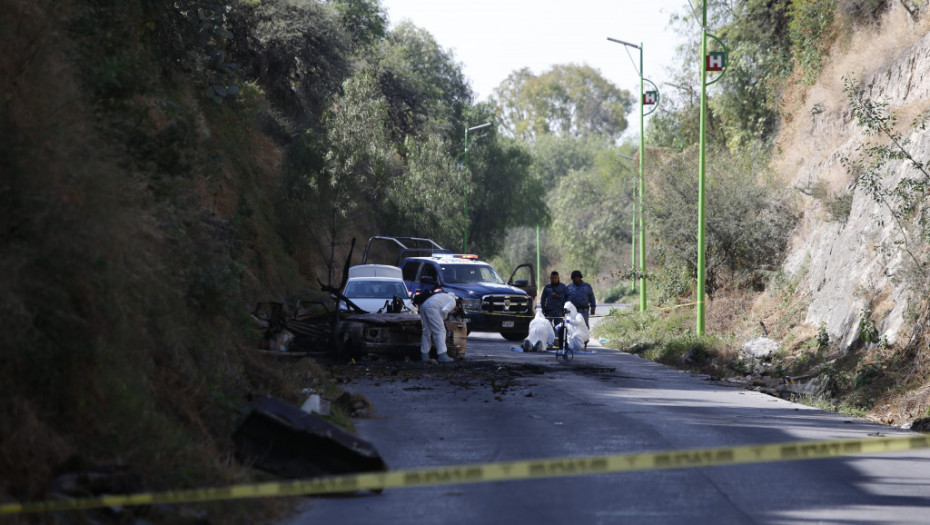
(350, 335)
(397, 335)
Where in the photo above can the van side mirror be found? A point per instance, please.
(428, 279)
(521, 282)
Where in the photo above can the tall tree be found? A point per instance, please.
(748, 222)
(298, 51)
(554, 157)
(425, 201)
(756, 32)
(423, 85)
(365, 20)
(592, 210)
(357, 166)
(568, 100)
(505, 192)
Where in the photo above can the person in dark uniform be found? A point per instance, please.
(580, 294)
(553, 297)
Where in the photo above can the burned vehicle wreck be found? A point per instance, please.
(342, 329)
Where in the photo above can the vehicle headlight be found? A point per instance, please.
(374, 334)
(472, 304)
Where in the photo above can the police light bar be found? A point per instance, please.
(466, 256)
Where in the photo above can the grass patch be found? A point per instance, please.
(619, 292)
(668, 338)
(828, 404)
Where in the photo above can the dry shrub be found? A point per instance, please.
(862, 11)
(30, 450)
(102, 350)
(730, 312)
(824, 104)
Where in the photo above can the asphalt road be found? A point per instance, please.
(503, 405)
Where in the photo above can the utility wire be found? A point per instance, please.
(694, 13)
(638, 72)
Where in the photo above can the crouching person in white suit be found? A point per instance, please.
(541, 333)
(433, 313)
(576, 331)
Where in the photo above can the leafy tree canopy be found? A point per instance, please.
(568, 101)
(426, 200)
(357, 167)
(365, 20)
(504, 191)
(748, 222)
(555, 157)
(299, 51)
(592, 210)
(424, 86)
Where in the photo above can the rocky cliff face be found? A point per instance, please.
(847, 264)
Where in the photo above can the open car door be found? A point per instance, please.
(524, 277)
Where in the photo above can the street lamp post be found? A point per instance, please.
(465, 191)
(645, 98)
(538, 262)
(709, 62)
(633, 234)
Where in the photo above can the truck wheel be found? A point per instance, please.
(515, 336)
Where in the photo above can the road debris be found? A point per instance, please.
(279, 438)
(340, 328)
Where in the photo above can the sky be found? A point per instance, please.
(493, 38)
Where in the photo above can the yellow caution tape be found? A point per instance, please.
(506, 471)
(619, 313)
(676, 306)
(632, 312)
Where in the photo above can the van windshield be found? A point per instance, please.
(470, 273)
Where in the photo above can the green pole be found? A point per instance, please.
(633, 231)
(465, 201)
(701, 196)
(642, 182)
(465, 220)
(538, 267)
(633, 249)
(642, 185)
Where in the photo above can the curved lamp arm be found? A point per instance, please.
(656, 88)
(725, 50)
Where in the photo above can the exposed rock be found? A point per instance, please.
(354, 405)
(801, 386)
(760, 347)
(844, 264)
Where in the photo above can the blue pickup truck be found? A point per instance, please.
(491, 305)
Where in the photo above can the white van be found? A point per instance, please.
(372, 286)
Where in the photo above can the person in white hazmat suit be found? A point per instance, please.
(576, 331)
(541, 333)
(433, 313)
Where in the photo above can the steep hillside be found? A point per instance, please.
(848, 250)
(139, 227)
(167, 164)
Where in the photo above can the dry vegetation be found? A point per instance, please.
(136, 233)
(887, 383)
